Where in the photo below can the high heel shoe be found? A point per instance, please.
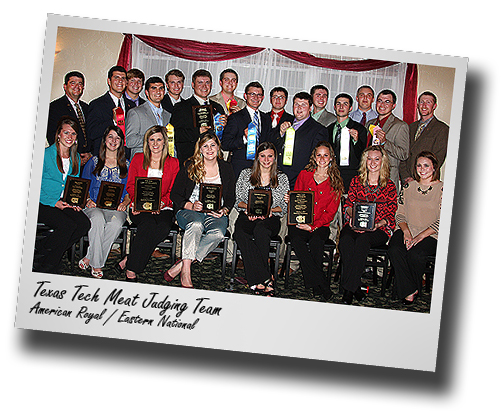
(96, 274)
(268, 285)
(167, 276)
(360, 295)
(347, 297)
(118, 268)
(406, 301)
(83, 265)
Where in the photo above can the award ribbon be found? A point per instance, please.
(219, 128)
(345, 139)
(372, 129)
(251, 146)
(120, 120)
(171, 139)
(289, 143)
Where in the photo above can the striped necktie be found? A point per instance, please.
(256, 123)
(419, 130)
(81, 122)
(364, 119)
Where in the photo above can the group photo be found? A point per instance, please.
(246, 170)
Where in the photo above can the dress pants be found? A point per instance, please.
(309, 248)
(106, 225)
(253, 239)
(151, 229)
(409, 265)
(69, 226)
(354, 248)
(202, 233)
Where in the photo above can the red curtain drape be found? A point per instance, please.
(357, 65)
(191, 50)
(211, 51)
(410, 94)
(125, 52)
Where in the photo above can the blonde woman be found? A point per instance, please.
(152, 227)
(373, 184)
(203, 230)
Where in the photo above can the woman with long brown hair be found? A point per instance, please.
(253, 233)
(322, 177)
(152, 227)
(418, 218)
(67, 222)
(110, 165)
(373, 184)
(203, 230)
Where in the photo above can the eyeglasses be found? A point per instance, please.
(255, 95)
(278, 97)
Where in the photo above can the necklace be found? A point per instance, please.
(370, 189)
(424, 192)
(319, 178)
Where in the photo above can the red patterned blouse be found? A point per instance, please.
(386, 199)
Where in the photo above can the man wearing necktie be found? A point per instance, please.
(348, 139)
(101, 109)
(364, 112)
(308, 133)
(427, 133)
(71, 105)
(141, 118)
(235, 136)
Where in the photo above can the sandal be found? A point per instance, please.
(255, 289)
(268, 289)
(83, 265)
(96, 274)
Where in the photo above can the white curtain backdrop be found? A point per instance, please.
(272, 69)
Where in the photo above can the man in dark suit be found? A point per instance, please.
(428, 133)
(71, 105)
(348, 139)
(235, 136)
(278, 97)
(308, 133)
(175, 80)
(186, 133)
(101, 110)
(135, 79)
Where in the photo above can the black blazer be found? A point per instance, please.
(131, 104)
(100, 117)
(167, 103)
(62, 107)
(307, 136)
(284, 117)
(183, 186)
(232, 138)
(186, 135)
(355, 151)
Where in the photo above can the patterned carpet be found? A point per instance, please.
(207, 276)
